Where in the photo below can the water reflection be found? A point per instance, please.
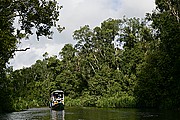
(86, 113)
(57, 115)
(33, 113)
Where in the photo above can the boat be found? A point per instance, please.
(57, 100)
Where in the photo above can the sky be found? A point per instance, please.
(73, 15)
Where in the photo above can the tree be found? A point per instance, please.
(67, 79)
(37, 16)
(32, 15)
(159, 79)
(117, 45)
(105, 62)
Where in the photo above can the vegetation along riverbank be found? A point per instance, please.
(127, 62)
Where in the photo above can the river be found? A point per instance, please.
(88, 113)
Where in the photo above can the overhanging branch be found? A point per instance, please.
(23, 49)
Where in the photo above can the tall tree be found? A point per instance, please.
(159, 80)
(33, 16)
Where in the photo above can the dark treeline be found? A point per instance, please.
(126, 62)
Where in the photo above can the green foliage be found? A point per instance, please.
(88, 72)
(121, 63)
(158, 81)
(95, 72)
(117, 102)
(94, 101)
(37, 16)
(72, 102)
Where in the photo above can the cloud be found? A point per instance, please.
(29, 57)
(137, 8)
(76, 13)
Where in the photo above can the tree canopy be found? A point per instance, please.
(33, 16)
(159, 79)
(19, 19)
(128, 62)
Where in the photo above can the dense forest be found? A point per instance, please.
(127, 62)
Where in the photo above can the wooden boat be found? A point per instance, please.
(57, 100)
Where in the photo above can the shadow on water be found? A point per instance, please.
(88, 113)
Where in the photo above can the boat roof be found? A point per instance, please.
(56, 91)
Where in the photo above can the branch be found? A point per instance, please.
(96, 62)
(92, 67)
(23, 49)
(173, 10)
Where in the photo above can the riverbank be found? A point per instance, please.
(103, 102)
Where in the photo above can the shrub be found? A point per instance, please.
(117, 102)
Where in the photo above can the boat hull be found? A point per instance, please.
(57, 107)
